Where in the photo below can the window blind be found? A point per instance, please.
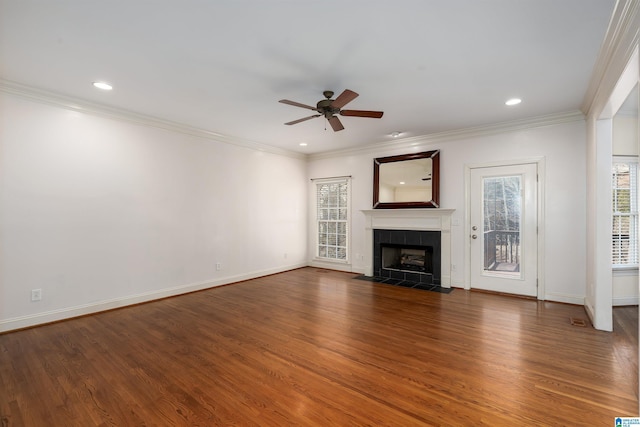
(625, 214)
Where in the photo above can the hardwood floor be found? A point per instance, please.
(316, 347)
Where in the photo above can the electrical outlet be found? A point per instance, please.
(285, 255)
(454, 267)
(36, 294)
(218, 266)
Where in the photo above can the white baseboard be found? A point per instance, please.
(458, 284)
(358, 270)
(339, 266)
(567, 299)
(85, 309)
(632, 300)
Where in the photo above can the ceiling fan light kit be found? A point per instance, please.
(331, 108)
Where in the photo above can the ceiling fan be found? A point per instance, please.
(330, 107)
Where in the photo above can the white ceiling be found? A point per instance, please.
(222, 65)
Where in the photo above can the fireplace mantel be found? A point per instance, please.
(410, 219)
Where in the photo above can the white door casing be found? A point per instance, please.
(514, 267)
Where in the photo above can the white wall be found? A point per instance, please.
(564, 150)
(100, 212)
(625, 135)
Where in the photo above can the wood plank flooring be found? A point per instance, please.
(316, 347)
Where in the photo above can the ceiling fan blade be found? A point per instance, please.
(344, 98)
(335, 123)
(362, 113)
(302, 120)
(297, 104)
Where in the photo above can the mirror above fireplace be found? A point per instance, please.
(407, 181)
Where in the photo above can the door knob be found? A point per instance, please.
(474, 228)
(473, 236)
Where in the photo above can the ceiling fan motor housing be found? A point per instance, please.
(325, 108)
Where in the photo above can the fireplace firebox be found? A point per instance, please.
(407, 258)
(409, 255)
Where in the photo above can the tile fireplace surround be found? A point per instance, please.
(411, 219)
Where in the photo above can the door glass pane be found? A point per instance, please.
(502, 214)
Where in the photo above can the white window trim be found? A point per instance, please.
(339, 180)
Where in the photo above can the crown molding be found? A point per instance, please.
(84, 106)
(88, 107)
(472, 132)
(620, 42)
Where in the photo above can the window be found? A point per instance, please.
(625, 213)
(332, 219)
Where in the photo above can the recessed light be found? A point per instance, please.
(395, 134)
(102, 85)
(303, 144)
(401, 182)
(513, 101)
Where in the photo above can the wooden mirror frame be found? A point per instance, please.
(435, 181)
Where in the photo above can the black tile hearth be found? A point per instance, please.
(392, 281)
(404, 284)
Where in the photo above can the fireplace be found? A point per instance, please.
(409, 255)
(435, 221)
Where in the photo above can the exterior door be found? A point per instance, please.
(503, 229)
